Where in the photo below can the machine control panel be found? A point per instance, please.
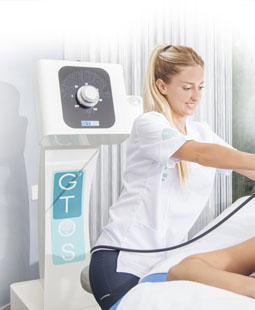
(86, 97)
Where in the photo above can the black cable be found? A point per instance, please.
(179, 245)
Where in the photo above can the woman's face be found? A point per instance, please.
(185, 90)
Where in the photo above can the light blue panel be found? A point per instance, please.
(168, 133)
(155, 277)
(67, 231)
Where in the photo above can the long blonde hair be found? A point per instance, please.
(164, 65)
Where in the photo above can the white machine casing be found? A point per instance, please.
(51, 126)
(70, 153)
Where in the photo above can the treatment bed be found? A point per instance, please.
(153, 292)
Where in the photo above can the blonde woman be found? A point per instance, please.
(171, 163)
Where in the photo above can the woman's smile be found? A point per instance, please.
(191, 105)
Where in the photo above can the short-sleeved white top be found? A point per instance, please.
(152, 211)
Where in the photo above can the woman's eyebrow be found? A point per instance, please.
(191, 82)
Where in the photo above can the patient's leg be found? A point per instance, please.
(227, 268)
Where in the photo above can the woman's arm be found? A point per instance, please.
(227, 268)
(248, 173)
(215, 155)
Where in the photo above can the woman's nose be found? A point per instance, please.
(195, 95)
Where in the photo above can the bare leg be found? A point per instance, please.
(227, 268)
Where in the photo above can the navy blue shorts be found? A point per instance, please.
(107, 285)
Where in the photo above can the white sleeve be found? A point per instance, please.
(157, 139)
(218, 140)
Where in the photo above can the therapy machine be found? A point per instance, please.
(79, 106)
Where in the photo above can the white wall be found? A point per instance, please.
(28, 32)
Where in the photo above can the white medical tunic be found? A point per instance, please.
(152, 211)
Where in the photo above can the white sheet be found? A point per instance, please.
(180, 295)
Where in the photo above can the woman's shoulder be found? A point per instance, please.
(149, 122)
(151, 116)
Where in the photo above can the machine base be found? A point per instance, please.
(28, 295)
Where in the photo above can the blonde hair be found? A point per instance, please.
(164, 65)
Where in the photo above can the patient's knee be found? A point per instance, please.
(172, 274)
(180, 271)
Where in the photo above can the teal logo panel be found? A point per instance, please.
(67, 230)
(67, 198)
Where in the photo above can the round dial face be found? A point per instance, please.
(88, 96)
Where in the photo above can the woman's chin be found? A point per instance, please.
(189, 112)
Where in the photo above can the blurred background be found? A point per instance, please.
(125, 32)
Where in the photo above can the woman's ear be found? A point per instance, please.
(161, 86)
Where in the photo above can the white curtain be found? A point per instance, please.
(126, 34)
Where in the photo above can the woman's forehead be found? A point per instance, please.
(190, 75)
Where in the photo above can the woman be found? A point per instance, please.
(169, 174)
(228, 268)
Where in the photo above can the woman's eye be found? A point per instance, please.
(190, 88)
